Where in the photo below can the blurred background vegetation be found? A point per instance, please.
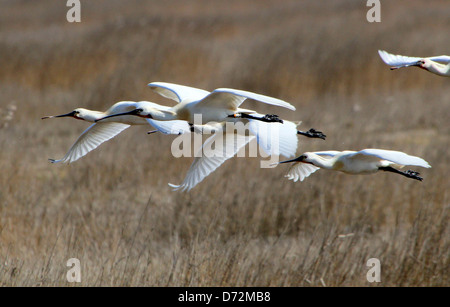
(242, 226)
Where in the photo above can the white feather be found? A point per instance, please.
(396, 157)
(179, 93)
(276, 138)
(170, 126)
(299, 171)
(365, 161)
(220, 94)
(91, 138)
(397, 61)
(209, 161)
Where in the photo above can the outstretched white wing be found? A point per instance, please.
(327, 153)
(91, 138)
(440, 58)
(275, 138)
(396, 157)
(232, 99)
(170, 126)
(299, 171)
(179, 93)
(225, 145)
(398, 61)
(150, 104)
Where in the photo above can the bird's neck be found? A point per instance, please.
(323, 162)
(439, 69)
(92, 116)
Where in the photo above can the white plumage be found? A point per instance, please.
(429, 63)
(214, 106)
(100, 132)
(366, 161)
(273, 138)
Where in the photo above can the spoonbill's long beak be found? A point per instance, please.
(133, 112)
(71, 114)
(298, 159)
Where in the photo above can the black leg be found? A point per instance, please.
(408, 173)
(268, 118)
(313, 133)
(272, 118)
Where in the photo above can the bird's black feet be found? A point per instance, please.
(271, 118)
(413, 174)
(408, 173)
(268, 118)
(313, 133)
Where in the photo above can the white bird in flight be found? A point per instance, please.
(216, 109)
(216, 106)
(103, 131)
(366, 161)
(274, 139)
(431, 63)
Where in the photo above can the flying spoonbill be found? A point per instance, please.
(431, 63)
(366, 161)
(103, 131)
(273, 138)
(216, 106)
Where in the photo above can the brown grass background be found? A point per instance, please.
(243, 225)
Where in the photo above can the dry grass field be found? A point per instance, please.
(243, 225)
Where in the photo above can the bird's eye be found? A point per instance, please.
(139, 110)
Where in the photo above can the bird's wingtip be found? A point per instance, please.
(290, 177)
(175, 187)
(61, 161)
(182, 187)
